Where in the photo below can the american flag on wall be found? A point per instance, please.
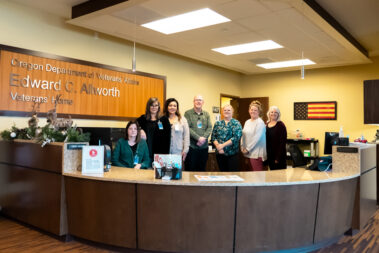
(315, 110)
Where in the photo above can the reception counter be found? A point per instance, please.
(128, 208)
(31, 185)
(268, 210)
(290, 176)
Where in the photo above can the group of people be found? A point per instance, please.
(171, 133)
(257, 141)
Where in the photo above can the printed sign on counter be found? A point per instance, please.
(214, 178)
(93, 160)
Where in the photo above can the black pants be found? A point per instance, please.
(228, 163)
(196, 159)
(277, 166)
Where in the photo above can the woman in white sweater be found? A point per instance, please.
(253, 141)
(180, 136)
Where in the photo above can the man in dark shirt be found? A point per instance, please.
(200, 126)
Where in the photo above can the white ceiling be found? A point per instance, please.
(291, 23)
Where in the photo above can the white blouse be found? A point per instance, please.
(254, 139)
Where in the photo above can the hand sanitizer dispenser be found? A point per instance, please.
(107, 158)
(341, 132)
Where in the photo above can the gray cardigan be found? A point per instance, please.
(180, 137)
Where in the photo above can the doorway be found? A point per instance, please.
(241, 113)
(225, 100)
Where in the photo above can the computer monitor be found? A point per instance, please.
(104, 135)
(331, 138)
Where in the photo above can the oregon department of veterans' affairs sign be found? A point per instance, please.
(80, 89)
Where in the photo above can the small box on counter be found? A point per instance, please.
(167, 167)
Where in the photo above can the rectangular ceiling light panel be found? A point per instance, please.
(248, 47)
(286, 64)
(187, 21)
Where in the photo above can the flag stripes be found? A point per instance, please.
(315, 110)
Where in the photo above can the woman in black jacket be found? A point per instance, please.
(276, 138)
(155, 129)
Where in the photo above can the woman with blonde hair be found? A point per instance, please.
(276, 138)
(253, 142)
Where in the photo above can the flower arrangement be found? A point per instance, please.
(56, 130)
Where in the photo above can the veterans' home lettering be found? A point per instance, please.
(59, 100)
(27, 98)
(28, 78)
(89, 89)
(33, 83)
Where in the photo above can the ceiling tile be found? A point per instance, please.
(291, 23)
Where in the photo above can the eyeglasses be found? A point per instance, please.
(154, 105)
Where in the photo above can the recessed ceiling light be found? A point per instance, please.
(286, 64)
(248, 47)
(187, 21)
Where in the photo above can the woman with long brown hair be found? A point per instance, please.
(155, 128)
(180, 136)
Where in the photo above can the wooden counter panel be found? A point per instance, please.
(377, 173)
(275, 217)
(102, 211)
(32, 196)
(32, 155)
(335, 209)
(185, 218)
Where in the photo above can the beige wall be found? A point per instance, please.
(341, 84)
(32, 29)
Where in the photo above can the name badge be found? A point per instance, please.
(135, 159)
(160, 125)
(199, 124)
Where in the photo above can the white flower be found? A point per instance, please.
(13, 135)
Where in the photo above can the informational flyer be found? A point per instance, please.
(222, 178)
(93, 160)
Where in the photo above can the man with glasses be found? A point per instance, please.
(200, 126)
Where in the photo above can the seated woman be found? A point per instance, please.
(131, 151)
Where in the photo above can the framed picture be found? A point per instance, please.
(315, 110)
(215, 109)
